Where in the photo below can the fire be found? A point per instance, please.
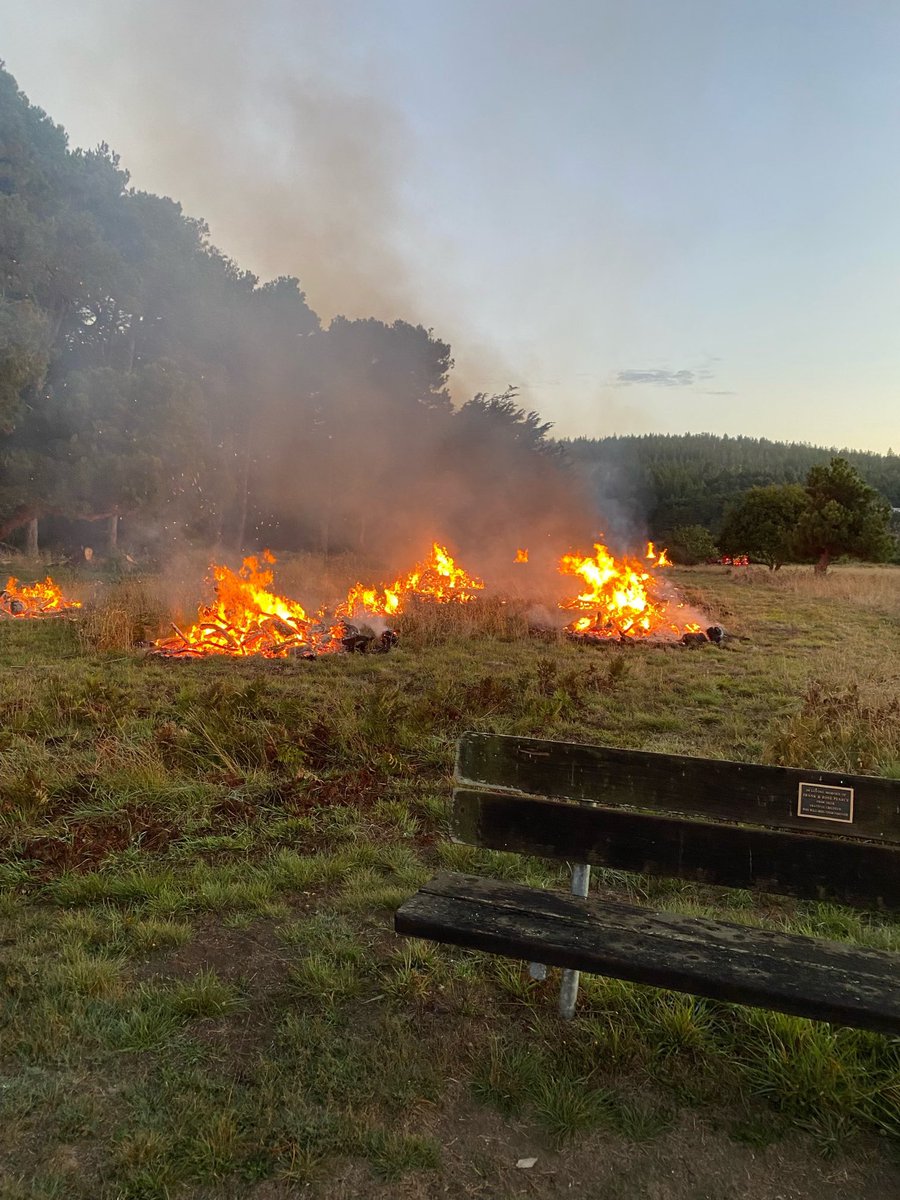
(247, 618)
(617, 599)
(37, 600)
(438, 579)
(660, 559)
(620, 598)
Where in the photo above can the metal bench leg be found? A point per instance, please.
(568, 992)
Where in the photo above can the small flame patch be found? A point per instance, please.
(34, 600)
(439, 579)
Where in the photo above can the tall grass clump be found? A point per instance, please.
(123, 615)
(424, 623)
(841, 729)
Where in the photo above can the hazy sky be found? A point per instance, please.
(652, 215)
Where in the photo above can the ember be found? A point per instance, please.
(37, 600)
(622, 599)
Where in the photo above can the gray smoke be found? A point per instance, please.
(287, 151)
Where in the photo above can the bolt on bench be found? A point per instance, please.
(812, 834)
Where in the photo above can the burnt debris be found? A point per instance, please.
(363, 640)
(694, 638)
(715, 634)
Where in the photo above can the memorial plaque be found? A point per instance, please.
(824, 802)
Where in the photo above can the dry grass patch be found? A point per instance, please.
(867, 588)
(121, 615)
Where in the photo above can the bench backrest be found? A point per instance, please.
(813, 834)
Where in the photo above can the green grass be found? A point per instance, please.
(199, 986)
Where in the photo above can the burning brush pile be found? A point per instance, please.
(624, 600)
(619, 600)
(248, 618)
(36, 600)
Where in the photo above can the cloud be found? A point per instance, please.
(658, 378)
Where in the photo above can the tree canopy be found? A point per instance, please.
(145, 375)
(843, 515)
(667, 480)
(836, 513)
(691, 544)
(763, 524)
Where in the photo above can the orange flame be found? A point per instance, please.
(36, 600)
(619, 598)
(438, 579)
(657, 558)
(248, 618)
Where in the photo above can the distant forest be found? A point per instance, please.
(672, 480)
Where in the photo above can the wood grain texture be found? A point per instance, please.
(808, 977)
(727, 791)
(863, 874)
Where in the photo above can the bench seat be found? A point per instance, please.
(810, 977)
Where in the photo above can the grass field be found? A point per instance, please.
(201, 994)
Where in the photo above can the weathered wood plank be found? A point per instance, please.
(728, 791)
(809, 977)
(864, 874)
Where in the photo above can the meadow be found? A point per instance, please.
(199, 862)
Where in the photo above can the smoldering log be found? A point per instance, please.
(357, 643)
(691, 639)
(694, 638)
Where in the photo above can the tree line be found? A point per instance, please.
(773, 502)
(145, 375)
(677, 481)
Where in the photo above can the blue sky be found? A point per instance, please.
(652, 216)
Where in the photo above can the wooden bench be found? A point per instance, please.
(811, 834)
